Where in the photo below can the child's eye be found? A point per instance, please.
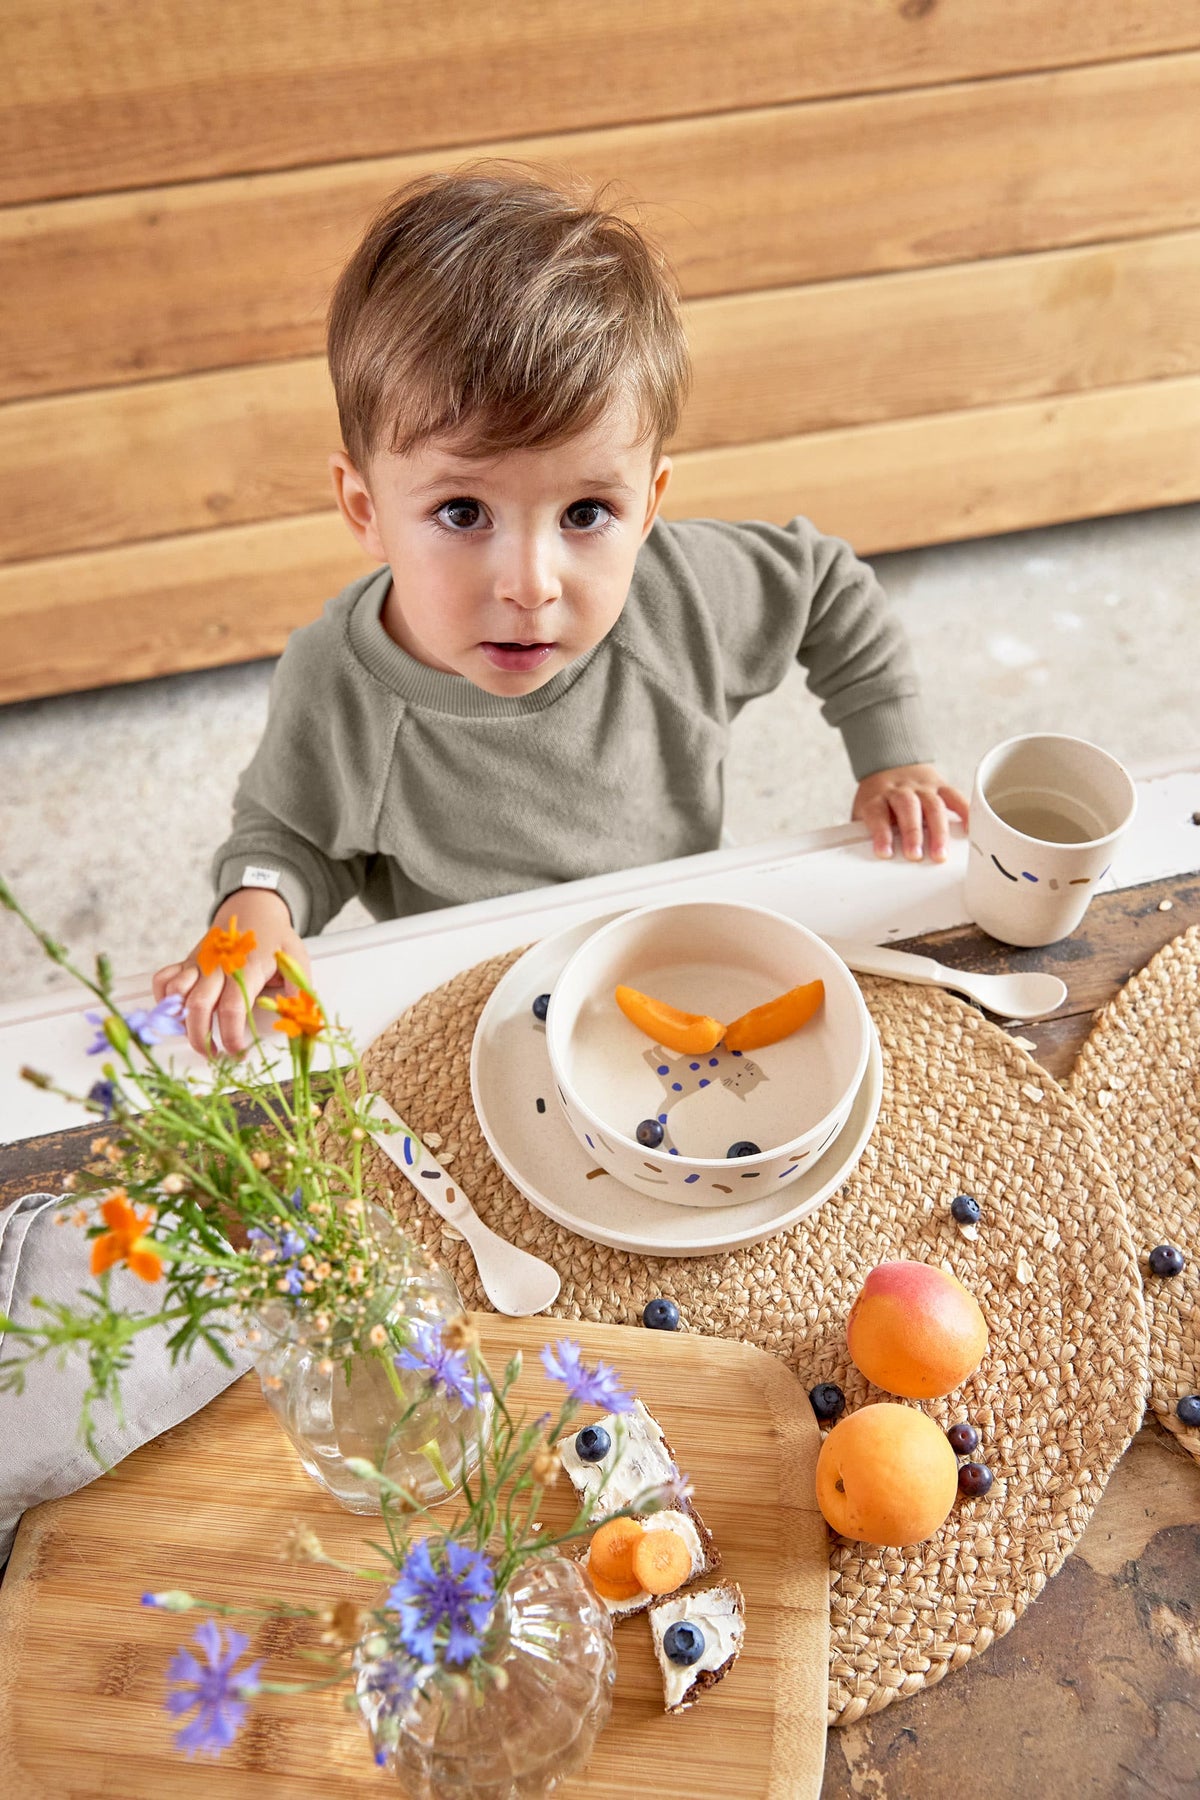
(594, 512)
(459, 515)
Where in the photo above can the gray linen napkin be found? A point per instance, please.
(41, 1454)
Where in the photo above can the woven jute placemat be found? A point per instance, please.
(1138, 1075)
(1060, 1392)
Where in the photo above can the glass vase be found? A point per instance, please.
(344, 1407)
(530, 1721)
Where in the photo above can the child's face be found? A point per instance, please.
(506, 569)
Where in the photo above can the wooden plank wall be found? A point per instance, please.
(941, 262)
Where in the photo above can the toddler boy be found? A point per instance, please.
(538, 682)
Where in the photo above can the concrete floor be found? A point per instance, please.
(112, 802)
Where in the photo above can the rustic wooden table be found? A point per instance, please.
(1096, 1691)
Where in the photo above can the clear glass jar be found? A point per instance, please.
(520, 1734)
(353, 1408)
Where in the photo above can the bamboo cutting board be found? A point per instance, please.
(205, 1507)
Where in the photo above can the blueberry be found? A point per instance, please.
(966, 1209)
(827, 1399)
(743, 1147)
(592, 1444)
(684, 1643)
(1165, 1259)
(649, 1133)
(1189, 1409)
(661, 1315)
(541, 1006)
(974, 1479)
(963, 1438)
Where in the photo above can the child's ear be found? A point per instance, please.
(658, 488)
(356, 505)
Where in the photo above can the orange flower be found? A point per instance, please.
(226, 950)
(299, 1016)
(125, 1240)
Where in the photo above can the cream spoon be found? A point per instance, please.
(1019, 996)
(515, 1282)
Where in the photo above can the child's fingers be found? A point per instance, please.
(906, 809)
(937, 825)
(257, 974)
(198, 1008)
(175, 978)
(231, 1015)
(875, 816)
(957, 802)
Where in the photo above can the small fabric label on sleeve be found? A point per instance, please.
(253, 876)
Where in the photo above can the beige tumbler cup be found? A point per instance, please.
(1047, 814)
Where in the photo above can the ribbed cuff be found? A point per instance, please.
(887, 736)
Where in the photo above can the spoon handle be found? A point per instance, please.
(419, 1165)
(877, 959)
(516, 1282)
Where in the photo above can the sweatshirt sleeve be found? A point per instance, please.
(778, 593)
(306, 807)
(261, 851)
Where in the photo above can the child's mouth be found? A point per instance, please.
(517, 658)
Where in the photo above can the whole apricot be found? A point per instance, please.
(915, 1330)
(886, 1475)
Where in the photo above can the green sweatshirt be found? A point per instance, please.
(416, 789)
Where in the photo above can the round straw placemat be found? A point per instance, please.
(1060, 1392)
(1138, 1075)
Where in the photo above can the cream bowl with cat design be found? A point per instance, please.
(733, 1123)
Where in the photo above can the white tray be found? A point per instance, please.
(513, 1092)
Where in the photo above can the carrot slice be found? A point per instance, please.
(693, 1033)
(662, 1561)
(615, 1590)
(777, 1019)
(612, 1547)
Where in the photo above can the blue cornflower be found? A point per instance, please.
(446, 1369)
(563, 1362)
(213, 1688)
(161, 1022)
(104, 1093)
(457, 1593)
(292, 1245)
(293, 1280)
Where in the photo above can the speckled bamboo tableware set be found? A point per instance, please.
(1052, 1262)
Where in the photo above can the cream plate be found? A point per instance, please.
(513, 1092)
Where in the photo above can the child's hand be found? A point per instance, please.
(258, 910)
(913, 800)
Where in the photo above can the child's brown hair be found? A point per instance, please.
(502, 311)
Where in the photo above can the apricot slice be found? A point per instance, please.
(777, 1019)
(694, 1034)
(662, 1561)
(610, 1557)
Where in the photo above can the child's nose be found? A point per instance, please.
(529, 578)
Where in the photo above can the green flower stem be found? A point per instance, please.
(433, 1456)
(267, 1065)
